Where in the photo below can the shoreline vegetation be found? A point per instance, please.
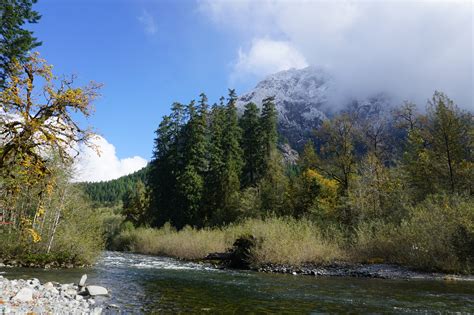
(295, 243)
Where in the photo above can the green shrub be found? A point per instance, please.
(77, 239)
(437, 235)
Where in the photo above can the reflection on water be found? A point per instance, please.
(140, 283)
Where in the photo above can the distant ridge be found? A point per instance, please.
(111, 192)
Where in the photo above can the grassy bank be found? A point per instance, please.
(437, 236)
(279, 241)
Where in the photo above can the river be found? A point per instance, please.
(146, 284)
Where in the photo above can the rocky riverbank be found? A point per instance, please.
(38, 262)
(381, 271)
(31, 296)
(336, 269)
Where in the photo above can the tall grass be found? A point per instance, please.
(188, 243)
(438, 234)
(279, 240)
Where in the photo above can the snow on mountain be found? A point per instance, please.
(300, 95)
(303, 103)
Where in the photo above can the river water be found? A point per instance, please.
(147, 284)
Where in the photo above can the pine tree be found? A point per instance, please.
(15, 40)
(213, 187)
(226, 161)
(191, 180)
(251, 145)
(268, 125)
(161, 179)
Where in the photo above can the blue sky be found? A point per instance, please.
(150, 53)
(146, 53)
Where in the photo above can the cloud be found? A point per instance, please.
(148, 22)
(266, 56)
(92, 167)
(408, 48)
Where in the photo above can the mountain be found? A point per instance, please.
(303, 103)
(300, 99)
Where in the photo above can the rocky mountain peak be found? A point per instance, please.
(300, 95)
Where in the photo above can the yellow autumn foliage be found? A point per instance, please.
(326, 199)
(46, 129)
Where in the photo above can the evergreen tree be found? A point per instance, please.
(274, 182)
(227, 168)
(251, 145)
(15, 40)
(191, 180)
(268, 124)
(166, 167)
(161, 179)
(215, 173)
(135, 204)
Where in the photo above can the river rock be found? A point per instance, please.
(48, 285)
(82, 282)
(70, 292)
(54, 291)
(96, 311)
(95, 290)
(24, 295)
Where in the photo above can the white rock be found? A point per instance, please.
(48, 285)
(79, 298)
(70, 292)
(54, 291)
(24, 295)
(94, 290)
(82, 282)
(96, 311)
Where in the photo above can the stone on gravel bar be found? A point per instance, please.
(24, 295)
(95, 290)
(48, 285)
(32, 297)
(82, 282)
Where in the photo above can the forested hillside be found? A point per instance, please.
(113, 191)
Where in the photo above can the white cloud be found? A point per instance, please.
(94, 167)
(148, 22)
(409, 48)
(267, 56)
